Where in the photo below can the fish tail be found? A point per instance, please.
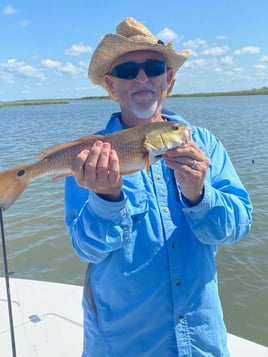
(12, 183)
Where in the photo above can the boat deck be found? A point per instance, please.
(48, 322)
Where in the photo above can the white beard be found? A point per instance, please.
(142, 113)
(143, 110)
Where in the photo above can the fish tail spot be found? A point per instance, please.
(20, 173)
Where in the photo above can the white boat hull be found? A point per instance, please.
(48, 322)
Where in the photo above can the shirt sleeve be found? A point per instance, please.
(97, 227)
(224, 215)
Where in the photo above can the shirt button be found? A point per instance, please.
(174, 245)
(178, 282)
(158, 177)
(180, 319)
(166, 209)
(136, 220)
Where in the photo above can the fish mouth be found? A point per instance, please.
(159, 156)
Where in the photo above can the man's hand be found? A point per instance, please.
(190, 166)
(98, 170)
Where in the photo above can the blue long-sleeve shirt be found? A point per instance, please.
(151, 287)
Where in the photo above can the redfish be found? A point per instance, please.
(137, 148)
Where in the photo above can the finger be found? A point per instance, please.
(78, 163)
(180, 161)
(190, 150)
(193, 164)
(191, 157)
(177, 165)
(103, 163)
(77, 166)
(114, 167)
(80, 160)
(90, 166)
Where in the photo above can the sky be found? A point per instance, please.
(46, 45)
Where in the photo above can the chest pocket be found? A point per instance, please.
(146, 237)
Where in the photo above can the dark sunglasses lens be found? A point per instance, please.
(154, 68)
(130, 70)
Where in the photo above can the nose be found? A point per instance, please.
(141, 76)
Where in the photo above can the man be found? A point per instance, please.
(151, 238)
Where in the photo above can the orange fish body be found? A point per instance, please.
(136, 148)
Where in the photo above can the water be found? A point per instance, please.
(39, 247)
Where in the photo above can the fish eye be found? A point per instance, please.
(175, 127)
(20, 173)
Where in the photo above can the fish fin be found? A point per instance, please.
(55, 148)
(147, 163)
(12, 183)
(60, 176)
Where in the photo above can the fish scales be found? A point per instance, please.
(136, 147)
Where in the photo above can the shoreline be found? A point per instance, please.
(260, 91)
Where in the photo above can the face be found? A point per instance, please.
(142, 96)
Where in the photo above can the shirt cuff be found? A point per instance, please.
(202, 208)
(106, 209)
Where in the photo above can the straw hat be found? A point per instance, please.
(130, 36)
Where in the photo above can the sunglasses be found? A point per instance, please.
(130, 70)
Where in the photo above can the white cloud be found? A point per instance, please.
(81, 89)
(193, 53)
(48, 63)
(221, 37)
(260, 67)
(5, 77)
(248, 50)
(261, 74)
(83, 64)
(78, 49)
(24, 23)
(69, 68)
(9, 10)
(238, 70)
(196, 43)
(60, 67)
(227, 61)
(217, 70)
(215, 51)
(167, 35)
(264, 59)
(26, 90)
(15, 69)
(196, 63)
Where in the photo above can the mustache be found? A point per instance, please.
(141, 87)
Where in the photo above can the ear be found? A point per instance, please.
(109, 83)
(170, 80)
(170, 76)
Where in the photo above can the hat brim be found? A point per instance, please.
(113, 46)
